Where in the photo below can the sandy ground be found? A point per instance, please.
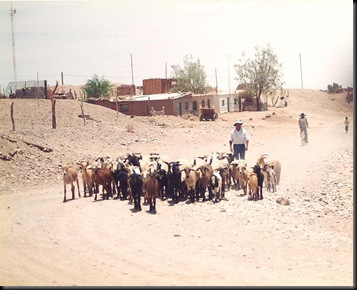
(236, 242)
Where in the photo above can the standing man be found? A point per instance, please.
(347, 122)
(238, 140)
(303, 124)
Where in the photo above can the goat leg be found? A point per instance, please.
(72, 189)
(64, 197)
(79, 193)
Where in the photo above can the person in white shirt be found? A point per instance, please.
(238, 140)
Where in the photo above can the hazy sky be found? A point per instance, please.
(83, 38)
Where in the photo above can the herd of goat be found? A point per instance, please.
(133, 176)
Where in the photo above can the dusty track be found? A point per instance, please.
(232, 243)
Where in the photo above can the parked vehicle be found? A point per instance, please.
(208, 114)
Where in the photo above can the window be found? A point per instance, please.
(124, 108)
(223, 103)
(186, 105)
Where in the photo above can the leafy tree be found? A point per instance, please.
(334, 87)
(98, 87)
(190, 78)
(261, 74)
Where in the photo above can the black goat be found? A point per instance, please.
(173, 177)
(133, 159)
(258, 171)
(136, 187)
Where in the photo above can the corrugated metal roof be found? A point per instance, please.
(24, 84)
(158, 97)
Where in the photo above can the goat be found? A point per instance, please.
(173, 180)
(234, 173)
(153, 165)
(215, 182)
(103, 176)
(260, 176)
(271, 177)
(253, 186)
(275, 163)
(191, 177)
(70, 175)
(120, 178)
(151, 187)
(223, 172)
(136, 189)
(242, 178)
(133, 159)
(203, 182)
(87, 177)
(220, 162)
(161, 176)
(130, 169)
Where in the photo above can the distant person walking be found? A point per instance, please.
(238, 140)
(347, 122)
(303, 124)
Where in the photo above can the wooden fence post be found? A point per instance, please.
(12, 116)
(53, 101)
(84, 118)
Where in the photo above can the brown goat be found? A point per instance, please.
(70, 175)
(203, 182)
(151, 187)
(234, 174)
(253, 186)
(191, 177)
(104, 177)
(87, 177)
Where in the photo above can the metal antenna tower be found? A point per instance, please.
(12, 13)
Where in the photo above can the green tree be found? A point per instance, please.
(261, 74)
(334, 88)
(97, 87)
(190, 78)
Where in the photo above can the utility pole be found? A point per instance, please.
(166, 81)
(229, 78)
(215, 70)
(229, 84)
(132, 75)
(62, 82)
(37, 90)
(12, 13)
(301, 71)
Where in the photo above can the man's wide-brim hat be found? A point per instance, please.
(238, 122)
(302, 114)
